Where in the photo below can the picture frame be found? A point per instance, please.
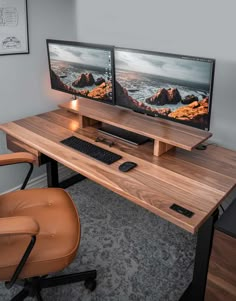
(14, 35)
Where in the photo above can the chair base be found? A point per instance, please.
(32, 287)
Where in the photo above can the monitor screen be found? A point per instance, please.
(175, 87)
(82, 69)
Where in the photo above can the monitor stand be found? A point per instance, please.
(122, 134)
(74, 97)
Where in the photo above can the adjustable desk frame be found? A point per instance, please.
(53, 177)
(208, 175)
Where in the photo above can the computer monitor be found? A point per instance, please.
(82, 69)
(175, 87)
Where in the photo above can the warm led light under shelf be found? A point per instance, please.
(74, 103)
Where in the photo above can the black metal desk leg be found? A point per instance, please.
(52, 173)
(197, 288)
(53, 177)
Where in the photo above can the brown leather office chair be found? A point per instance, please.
(39, 235)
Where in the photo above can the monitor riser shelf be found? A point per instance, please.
(165, 134)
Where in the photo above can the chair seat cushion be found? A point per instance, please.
(58, 238)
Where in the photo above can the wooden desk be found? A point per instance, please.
(198, 181)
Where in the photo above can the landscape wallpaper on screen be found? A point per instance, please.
(171, 87)
(82, 71)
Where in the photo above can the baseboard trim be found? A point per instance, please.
(41, 181)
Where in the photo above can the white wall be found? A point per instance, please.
(200, 28)
(25, 87)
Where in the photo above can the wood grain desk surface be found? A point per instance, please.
(197, 180)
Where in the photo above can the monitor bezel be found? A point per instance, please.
(85, 45)
(175, 55)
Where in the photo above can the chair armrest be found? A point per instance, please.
(18, 225)
(19, 157)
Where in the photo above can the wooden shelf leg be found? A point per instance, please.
(161, 148)
(86, 121)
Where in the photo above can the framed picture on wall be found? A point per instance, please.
(13, 27)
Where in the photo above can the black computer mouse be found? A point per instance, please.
(126, 166)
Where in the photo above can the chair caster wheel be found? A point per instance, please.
(90, 284)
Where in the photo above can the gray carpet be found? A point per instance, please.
(138, 256)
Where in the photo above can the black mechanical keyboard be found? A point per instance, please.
(91, 150)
